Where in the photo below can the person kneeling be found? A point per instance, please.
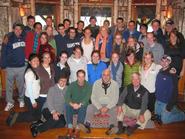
(53, 109)
(133, 104)
(77, 99)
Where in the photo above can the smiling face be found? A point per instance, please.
(95, 58)
(63, 58)
(135, 79)
(115, 58)
(87, 33)
(18, 31)
(118, 39)
(43, 39)
(34, 62)
(62, 82)
(46, 59)
(106, 77)
(148, 59)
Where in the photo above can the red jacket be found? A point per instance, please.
(29, 44)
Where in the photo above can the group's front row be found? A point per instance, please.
(86, 101)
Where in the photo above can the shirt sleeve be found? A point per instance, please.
(94, 97)
(144, 103)
(122, 97)
(29, 77)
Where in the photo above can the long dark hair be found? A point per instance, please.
(32, 56)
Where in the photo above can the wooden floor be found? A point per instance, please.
(21, 130)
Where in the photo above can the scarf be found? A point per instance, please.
(114, 70)
(35, 44)
(105, 86)
(101, 45)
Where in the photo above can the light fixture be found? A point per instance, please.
(21, 11)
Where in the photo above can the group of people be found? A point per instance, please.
(110, 71)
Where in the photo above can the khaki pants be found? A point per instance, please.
(133, 113)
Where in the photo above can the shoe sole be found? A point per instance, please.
(14, 119)
(83, 128)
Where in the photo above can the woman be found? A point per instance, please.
(62, 66)
(130, 66)
(51, 40)
(116, 68)
(149, 71)
(45, 47)
(133, 44)
(46, 74)
(101, 44)
(76, 62)
(32, 92)
(177, 53)
(118, 46)
(87, 43)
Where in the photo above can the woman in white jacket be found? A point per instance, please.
(149, 71)
(32, 89)
(76, 62)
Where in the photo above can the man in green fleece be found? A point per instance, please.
(77, 99)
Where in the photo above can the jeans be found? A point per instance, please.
(32, 114)
(50, 122)
(174, 115)
(81, 112)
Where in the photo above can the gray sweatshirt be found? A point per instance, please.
(100, 99)
(55, 99)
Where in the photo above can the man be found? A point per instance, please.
(53, 109)
(32, 40)
(133, 103)
(168, 28)
(14, 61)
(119, 27)
(67, 24)
(77, 99)
(158, 32)
(95, 68)
(94, 28)
(59, 39)
(154, 47)
(70, 41)
(167, 94)
(30, 24)
(49, 22)
(105, 94)
(131, 31)
(79, 29)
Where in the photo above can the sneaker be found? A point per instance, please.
(34, 131)
(21, 104)
(9, 106)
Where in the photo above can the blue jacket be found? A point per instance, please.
(59, 39)
(135, 34)
(95, 73)
(14, 53)
(167, 88)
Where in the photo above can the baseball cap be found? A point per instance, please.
(166, 57)
(170, 21)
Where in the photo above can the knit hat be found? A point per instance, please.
(166, 57)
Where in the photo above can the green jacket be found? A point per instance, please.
(77, 94)
(128, 71)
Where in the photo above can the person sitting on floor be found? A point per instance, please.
(133, 104)
(105, 94)
(166, 94)
(53, 109)
(77, 99)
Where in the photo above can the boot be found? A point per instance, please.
(130, 130)
(121, 128)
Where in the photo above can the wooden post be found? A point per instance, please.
(61, 11)
(115, 11)
(129, 10)
(158, 9)
(32, 3)
(75, 12)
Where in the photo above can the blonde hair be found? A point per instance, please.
(114, 41)
(145, 54)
